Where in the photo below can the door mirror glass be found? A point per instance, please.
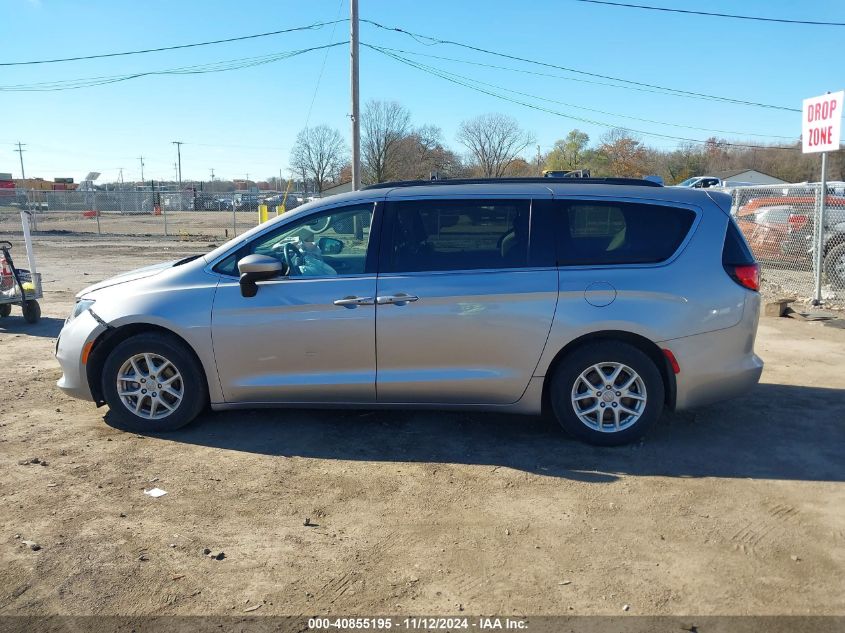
(330, 246)
(255, 268)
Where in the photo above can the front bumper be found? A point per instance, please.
(73, 338)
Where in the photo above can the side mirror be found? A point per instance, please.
(254, 268)
(329, 245)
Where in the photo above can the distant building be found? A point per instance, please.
(751, 176)
(343, 187)
(59, 184)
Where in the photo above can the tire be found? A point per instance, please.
(834, 266)
(155, 348)
(569, 390)
(31, 311)
(5, 310)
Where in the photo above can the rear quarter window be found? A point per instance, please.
(599, 233)
(735, 251)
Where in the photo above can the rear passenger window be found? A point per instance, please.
(432, 235)
(595, 233)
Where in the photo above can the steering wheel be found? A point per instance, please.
(289, 252)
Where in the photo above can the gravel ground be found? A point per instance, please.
(737, 508)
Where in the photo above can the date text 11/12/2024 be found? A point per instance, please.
(417, 623)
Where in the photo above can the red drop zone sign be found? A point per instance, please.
(822, 123)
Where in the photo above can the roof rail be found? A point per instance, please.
(637, 182)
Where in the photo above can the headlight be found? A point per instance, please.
(81, 306)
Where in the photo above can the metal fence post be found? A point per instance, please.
(234, 219)
(164, 215)
(819, 241)
(33, 208)
(97, 214)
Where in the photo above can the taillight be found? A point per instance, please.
(746, 275)
(797, 221)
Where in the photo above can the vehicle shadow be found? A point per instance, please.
(47, 327)
(775, 432)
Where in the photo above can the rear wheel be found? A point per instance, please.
(607, 393)
(834, 266)
(153, 383)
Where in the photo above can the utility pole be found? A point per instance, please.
(178, 145)
(356, 112)
(141, 158)
(539, 168)
(31, 215)
(20, 152)
(212, 179)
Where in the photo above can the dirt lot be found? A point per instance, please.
(733, 509)
(187, 225)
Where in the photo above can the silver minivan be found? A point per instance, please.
(600, 301)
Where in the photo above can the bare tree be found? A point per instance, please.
(385, 124)
(421, 154)
(319, 153)
(495, 141)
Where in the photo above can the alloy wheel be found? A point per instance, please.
(609, 397)
(150, 386)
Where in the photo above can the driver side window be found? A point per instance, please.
(326, 244)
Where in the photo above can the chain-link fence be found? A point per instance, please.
(179, 214)
(780, 224)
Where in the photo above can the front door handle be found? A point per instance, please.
(351, 302)
(397, 299)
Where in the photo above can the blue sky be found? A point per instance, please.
(245, 121)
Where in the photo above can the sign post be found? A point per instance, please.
(821, 129)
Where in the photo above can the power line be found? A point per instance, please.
(309, 27)
(570, 105)
(522, 70)
(714, 15)
(313, 98)
(533, 106)
(219, 145)
(677, 91)
(323, 66)
(212, 67)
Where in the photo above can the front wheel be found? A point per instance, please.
(153, 383)
(31, 311)
(607, 393)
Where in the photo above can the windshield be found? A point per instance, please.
(688, 182)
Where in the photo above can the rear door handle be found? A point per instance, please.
(397, 299)
(351, 302)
